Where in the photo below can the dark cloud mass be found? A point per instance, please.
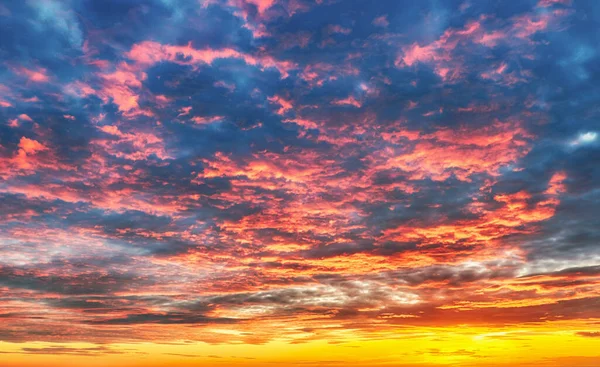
(170, 167)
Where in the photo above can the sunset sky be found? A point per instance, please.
(300, 183)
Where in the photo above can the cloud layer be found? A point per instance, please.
(170, 167)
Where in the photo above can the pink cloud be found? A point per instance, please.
(30, 146)
(25, 117)
(490, 39)
(31, 99)
(548, 3)
(79, 89)
(229, 86)
(527, 25)
(416, 53)
(148, 53)
(110, 129)
(124, 84)
(381, 21)
(119, 86)
(183, 111)
(162, 100)
(285, 105)
(262, 5)
(442, 57)
(499, 75)
(307, 124)
(142, 144)
(317, 74)
(348, 101)
(39, 75)
(201, 120)
(335, 28)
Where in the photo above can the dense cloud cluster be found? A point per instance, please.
(295, 168)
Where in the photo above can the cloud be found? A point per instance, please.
(585, 138)
(589, 334)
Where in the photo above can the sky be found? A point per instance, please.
(299, 183)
